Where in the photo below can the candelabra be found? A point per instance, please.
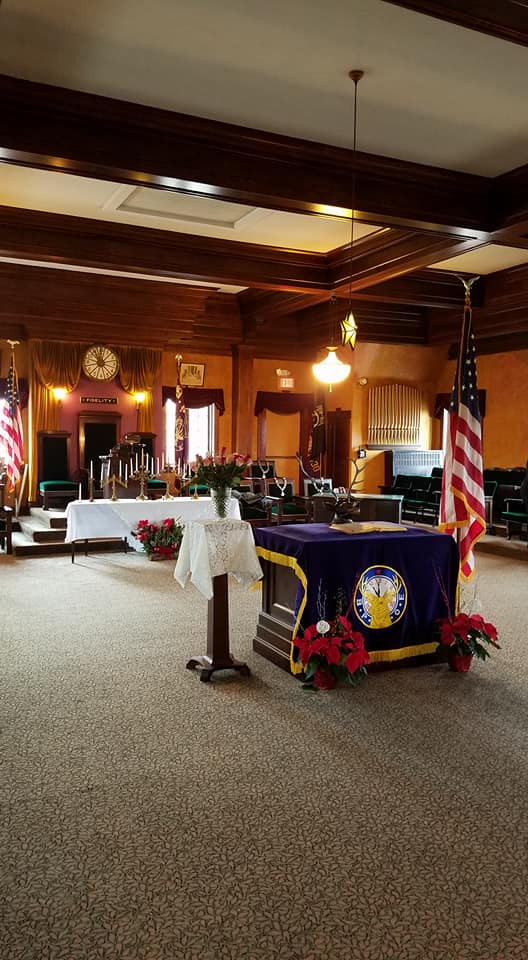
(113, 479)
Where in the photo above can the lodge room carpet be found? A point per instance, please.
(148, 816)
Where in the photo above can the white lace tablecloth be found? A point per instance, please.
(212, 547)
(104, 519)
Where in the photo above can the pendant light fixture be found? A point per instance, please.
(331, 369)
(349, 326)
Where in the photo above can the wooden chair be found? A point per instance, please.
(6, 519)
(284, 506)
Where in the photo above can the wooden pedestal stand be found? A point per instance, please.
(217, 656)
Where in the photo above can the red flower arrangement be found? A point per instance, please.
(331, 651)
(466, 634)
(160, 540)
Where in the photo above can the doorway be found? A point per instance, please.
(97, 435)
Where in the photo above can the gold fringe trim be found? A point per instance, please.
(388, 656)
(273, 557)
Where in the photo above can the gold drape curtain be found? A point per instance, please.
(51, 364)
(139, 372)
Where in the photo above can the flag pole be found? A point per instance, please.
(467, 284)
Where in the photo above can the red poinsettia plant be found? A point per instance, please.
(467, 633)
(331, 650)
(161, 540)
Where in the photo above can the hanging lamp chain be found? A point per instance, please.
(355, 76)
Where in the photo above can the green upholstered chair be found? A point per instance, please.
(284, 506)
(252, 505)
(515, 516)
(156, 489)
(57, 492)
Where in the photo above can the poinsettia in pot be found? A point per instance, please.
(466, 636)
(332, 651)
(160, 541)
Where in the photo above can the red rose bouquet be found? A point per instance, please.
(466, 634)
(160, 540)
(331, 650)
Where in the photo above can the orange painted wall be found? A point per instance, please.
(504, 377)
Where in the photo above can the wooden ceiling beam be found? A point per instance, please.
(67, 131)
(507, 20)
(55, 238)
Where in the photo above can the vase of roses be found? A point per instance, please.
(160, 541)
(220, 472)
(332, 651)
(466, 636)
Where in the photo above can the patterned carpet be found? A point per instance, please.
(148, 816)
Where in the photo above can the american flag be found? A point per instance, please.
(462, 505)
(11, 437)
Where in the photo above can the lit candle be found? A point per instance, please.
(157, 464)
(80, 491)
(91, 469)
(137, 465)
(163, 460)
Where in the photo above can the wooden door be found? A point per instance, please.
(338, 449)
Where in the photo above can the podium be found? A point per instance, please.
(209, 552)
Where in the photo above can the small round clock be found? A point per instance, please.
(100, 362)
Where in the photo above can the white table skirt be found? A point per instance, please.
(211, 548)
(104, 519)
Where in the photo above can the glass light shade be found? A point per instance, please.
(331, 369)
(349, 329)
(139, 398)
(59, 393)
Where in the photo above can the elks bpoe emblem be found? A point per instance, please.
(380, 598)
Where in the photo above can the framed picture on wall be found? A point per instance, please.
(192, 374)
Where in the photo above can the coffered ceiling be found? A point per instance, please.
(235, 205)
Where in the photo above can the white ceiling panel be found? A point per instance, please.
(485, 260)
(166, 210)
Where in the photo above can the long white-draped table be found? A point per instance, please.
(108, 520)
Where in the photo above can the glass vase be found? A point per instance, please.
(220, 499)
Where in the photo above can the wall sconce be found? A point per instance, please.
(59, 393)
(139, 398)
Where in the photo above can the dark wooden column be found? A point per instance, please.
(243, 398)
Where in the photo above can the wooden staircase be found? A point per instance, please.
(42, 533)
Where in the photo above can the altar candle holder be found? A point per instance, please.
(113, 480)
(143, 475)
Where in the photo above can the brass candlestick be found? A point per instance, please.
(143, 475)
(113, 480)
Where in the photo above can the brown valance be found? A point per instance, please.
(138, 372)
(195, 397)
(283, 403)
(443, 400)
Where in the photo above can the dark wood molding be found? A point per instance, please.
(505, 19)
(72, 132)
(56, 238)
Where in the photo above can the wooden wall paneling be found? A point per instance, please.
(243, 398)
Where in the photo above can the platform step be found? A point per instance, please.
(24, 546)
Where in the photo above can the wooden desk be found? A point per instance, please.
(305, 566)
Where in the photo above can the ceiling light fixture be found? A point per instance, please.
(331, 369)
(349, 327)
